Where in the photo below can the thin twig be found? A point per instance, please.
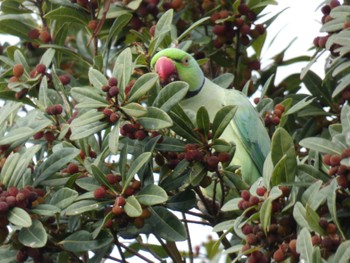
(118, 244)
(196, 222)
(189, 242)
(134, 252)
(114, 259)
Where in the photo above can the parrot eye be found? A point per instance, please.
(185, 61)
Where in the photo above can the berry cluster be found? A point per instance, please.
(227, 23)
(337, 169)
(121, 219)
(133, 131)
(25, 252)
(279, 237)
(331, 240)
(273, 118)
(320, 41)
(55, 109)
(43, 35)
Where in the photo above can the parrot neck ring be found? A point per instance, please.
(193, 93)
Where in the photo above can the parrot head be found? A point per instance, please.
(175, 64)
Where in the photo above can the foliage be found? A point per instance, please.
(97, 156)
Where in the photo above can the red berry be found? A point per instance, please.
(331, 228)
(18, 70)
(327, 159)
(100, 192)
(213, 161)
(45, 36)
(224, 157)
(112, 179)
(335, 159)
(129, 191)
(114, 117)
(120, 201)
(112, 82)
(34, 33)
(278, 256)
(11, 200)
(65, 79)
(72, 168)
(113, 91)
(251, 239)
(140, 135)
(40, 68)
(49, 136)
(3, 206)
(245, 29)
(136, 185)
(254, 200)
(117, 210)
(12, 190)
(245, 195)
(92, 24)
(219, 29)
(260, 191)
(247, 229)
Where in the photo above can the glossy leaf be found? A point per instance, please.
(155, 119)
(34, 236)
(68, 15)
(132, 207)
(321, 145)
(142, 86)
(170, 95)
(203, 121)
(152, 195)
(19, 217)
(166, 225)
(64, 197)
(222, 118)
(304, 245)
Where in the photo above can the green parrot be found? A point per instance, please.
(246, 130)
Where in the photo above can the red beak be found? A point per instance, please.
(165, 68)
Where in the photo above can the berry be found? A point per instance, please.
(120, 201)
(335, 160)
(219, 29)
(12, 191)
(243, 9)
(113, 91)
(49, 136)
(136, 185)
(331, 228)
(247, 229)
(40, 68)
(92, 24)
(3, 207)
(21, 255)
(45, 36)
(11, 201)
(112, 82)
(293, 246)
(323, 222)
(100, 192)
(251, 239)
(129, 191)
(114, 117)
(245, 195)
(260, 191)
(65, 79)
(224, 157)
(254, 200)
(315, 240)
(112, 179)
(72, 168)
(213, 162)
(34, 33)
(18, 70)
(140, 135)
(245, 29)
(145, 213)
(278, 256)
(117, 210)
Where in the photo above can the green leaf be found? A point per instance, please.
(68, 15)
(332, 204)
(166, 225)
(135, 166)
(46, 210)
(313, 220)
(321, 145)
(299, 214)
(123, 69)
(193, 26)
(299, 106)
(64, 197)
(163, 28)
(132, 207)
(113, 139)
(119, 23)
(222, 118)
(170, 95)
(134, 109)
(142, 86)
(342, 255)
(54, 163)
(80, 207)
(81, 241)
(182, 201)
(87, 124)
(97, 79)
(19, 217)
(47, 57)
(17, 25)
(152, 195)
(89, 97)
(100, 176)
(155, 119)
(34, 236)
(345, 117)
(203, 121)
(304, 245)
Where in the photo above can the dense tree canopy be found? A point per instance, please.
(99, 160)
